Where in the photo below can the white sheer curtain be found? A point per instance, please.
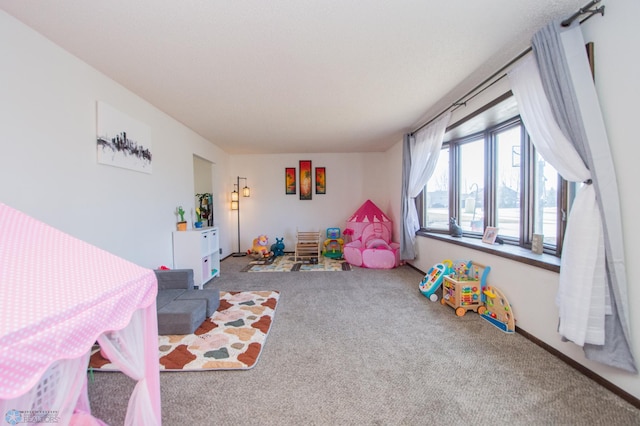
(581, 295)
(126, 350)
(61, 392)
(425, 149)
(53, 398)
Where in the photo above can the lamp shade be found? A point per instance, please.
(246, 192)
(234, 195)
(234, 205)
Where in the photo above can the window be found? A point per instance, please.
(437, 194)
(545, 201)
(496, 178)
(508, 142)
(471, 188)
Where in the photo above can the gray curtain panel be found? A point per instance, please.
(407, 250)
(563, 67)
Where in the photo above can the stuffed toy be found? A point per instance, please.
(278, 247)
(260, 246)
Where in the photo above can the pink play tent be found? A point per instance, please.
(58, 296)
(371, 245)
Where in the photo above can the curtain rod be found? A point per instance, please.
(583, 11)
(462, 102)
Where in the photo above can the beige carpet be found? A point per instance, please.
(231, 339)
(367, 348)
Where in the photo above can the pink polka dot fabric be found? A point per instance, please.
(57, 295)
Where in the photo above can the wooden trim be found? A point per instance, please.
(509, 251)
(480, 110)
(590, 55)
(581, 368)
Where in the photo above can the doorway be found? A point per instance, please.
(203, 189)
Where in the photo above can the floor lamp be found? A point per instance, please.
(235, 205)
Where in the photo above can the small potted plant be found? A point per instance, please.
(182, 224)
(198, 222)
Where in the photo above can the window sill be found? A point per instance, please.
(518, 254)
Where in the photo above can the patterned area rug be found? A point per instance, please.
(231, 339)
(287, 263)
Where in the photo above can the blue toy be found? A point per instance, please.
(433, 279)
(277, 248)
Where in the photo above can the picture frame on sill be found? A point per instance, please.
(490, 235)
(537, 243)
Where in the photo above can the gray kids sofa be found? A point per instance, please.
(181, 308)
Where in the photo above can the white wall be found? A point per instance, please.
(351, 180)
(48, 165)
(48, 169)
(532, 291)
(394, 188)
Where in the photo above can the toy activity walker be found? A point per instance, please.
(465, 288)
(462, 288)
(433, 279)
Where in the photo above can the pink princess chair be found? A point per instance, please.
(371, 246)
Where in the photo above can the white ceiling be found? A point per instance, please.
(294, 76)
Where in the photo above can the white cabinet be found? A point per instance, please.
(197, 249)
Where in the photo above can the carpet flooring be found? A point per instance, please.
(367, 348)
(287, 263)
(231, 339)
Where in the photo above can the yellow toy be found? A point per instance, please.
(260, 247)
